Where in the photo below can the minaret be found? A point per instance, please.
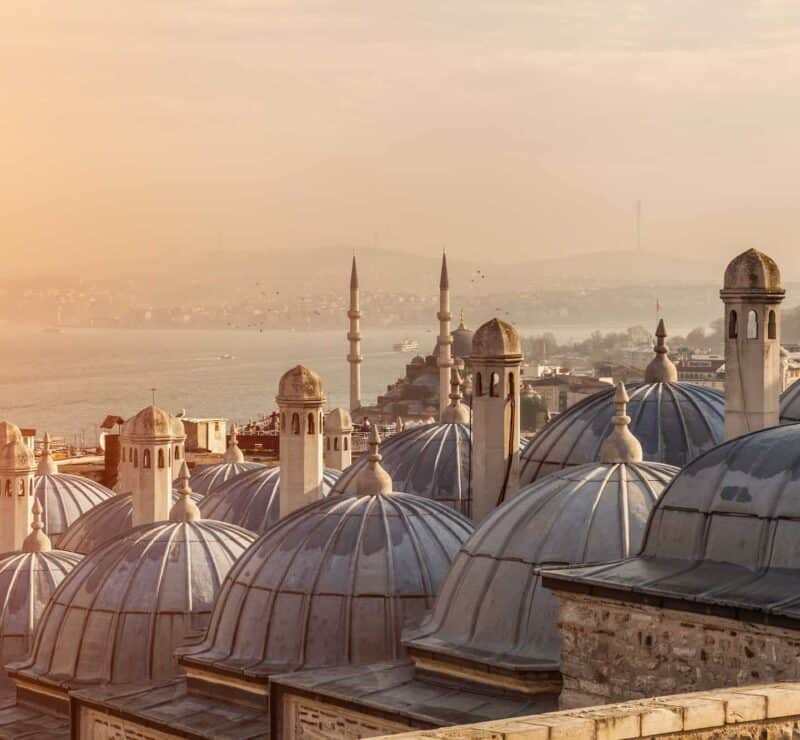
(37, 540)
(354, 337)
(456, 412)
(752, 294)
(17, 468)
(661, 369)
(47, 466)
(233, 454)
(338, 434)
(496, 365)
(620, 446)
(374, 479)
(184, 509)
(300, 400)
(445, 341)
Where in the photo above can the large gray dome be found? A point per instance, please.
(790, 404)
(725, 532)
(104, 522)
(123, 610)
(333, 583)
(431, 460)
(492, 607)
(252, 500)
(64, 498)
(27, 583)
(205, 478)
(675, 422)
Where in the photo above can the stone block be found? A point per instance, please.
(699, 714)
(513, 729)
(565, 726)
(781, 700)
(660, 720)
(742, 707)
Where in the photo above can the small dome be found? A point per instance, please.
(431, 460)
(27, 582)
(128, 605)
(152, 421)
(753, 270)
(300, 384)
(252, 499)
(17, 456)
(674, 422)
(462, 341)
(205, 478)
(64, 498)
(790, 404)
(338, 421)
(332, 584)
(496, 338)
(104, 522)
(492, 607)
(9, 433)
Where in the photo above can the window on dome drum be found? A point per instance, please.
(295, 424)
(494, 385)
(752, 324)
(478, 385)
(733, 329)
(161, 459)
(335, 444)
(146, 461)
(345, 444)
(311, 423)
(772, 326)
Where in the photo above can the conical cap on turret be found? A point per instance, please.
(620, 446)
(374, 479)
(184, 509)
(661, 369)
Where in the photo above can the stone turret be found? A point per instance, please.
(620, 446)
(661, 369)
(17, 468)
(354, 357)
(456, 412)
(445, 341)
(47, 466)
(496, 361)
(233, 454)
(338, 435)
(300, 400)
(374, 479)
(752, 294)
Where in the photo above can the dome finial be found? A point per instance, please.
(234, 453)
(37, 540)
(461, 326)
(661, 369)
(184, 509)
(374, 479)
(47, 466)
(620, 446)
(456, 412)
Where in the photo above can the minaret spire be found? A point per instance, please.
(620, 446)
(47, 466)
(661, 369)
(234, 454)
(354, 337)
(374, 479)
(445, 341)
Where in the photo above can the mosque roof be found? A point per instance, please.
(64, 498)
(723, 536)
(332, 583)
(251, 499)
(119, 615)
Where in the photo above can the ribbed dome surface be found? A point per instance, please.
(120, 614)
(332, 584)
(27, 582)
(790, 404)
(492, 607)
(252, 500)
(431, 460)
(205, 478)
(104, 522)
(675, 422)
(64, 498)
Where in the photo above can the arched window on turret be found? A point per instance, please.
(177, 453)
(328, 443)
(295, 424)
(494, 386)
(478, 384)
(511, 383)
(733, 329)
(21, 487)
(146, 461)
(283, 422)
(772, 326)
(752, 324)
(336, 444)
(8, 487)
(161, 459)
(123, 454)
(311, 423)
(345, 444)
(136, 458)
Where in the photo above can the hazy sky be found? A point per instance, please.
(505, 128)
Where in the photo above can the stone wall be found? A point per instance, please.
(613, 651)
(95, 725)
(752, 713)
(306, 719)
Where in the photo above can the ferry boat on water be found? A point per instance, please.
(407, 345)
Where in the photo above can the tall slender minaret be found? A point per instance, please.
(354, 337)
(752, 294)
(445, 341)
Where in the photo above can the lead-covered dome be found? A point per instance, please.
(492, 608)
(300, 384)
(790, 404)
(333, 583)
(675, 422)
(65, 498)
(120, 614)
(104, 522)
(496, 338)
(206, 478)
(152, 421)
(252, 499)
(752, 270)
(431, 460)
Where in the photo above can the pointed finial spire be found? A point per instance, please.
(444, 282)
(374, 479)
(456, 412)
(47, 466)
(354, 274)
(661, 369)
(184, 509)
(37, 540)
(620, 446)
(233, 454)
(461, 326)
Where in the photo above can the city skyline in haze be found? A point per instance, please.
(508, 131)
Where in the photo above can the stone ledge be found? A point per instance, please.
(662, 715)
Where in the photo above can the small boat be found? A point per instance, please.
(407, 345)
(226, 356)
